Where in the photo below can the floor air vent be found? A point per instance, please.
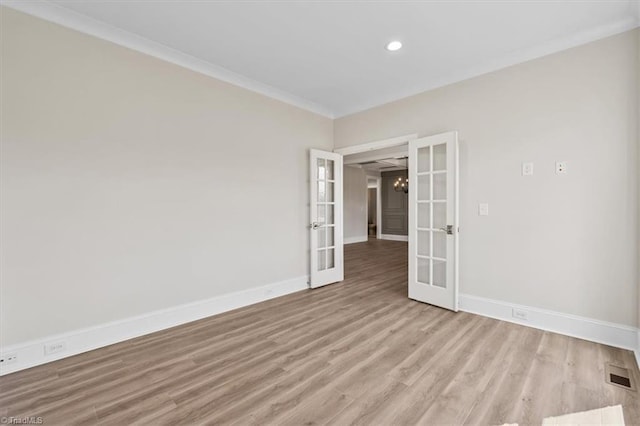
(619, 376)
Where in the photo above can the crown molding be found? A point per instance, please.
(67, 18)
(512, 59)
(54, 13)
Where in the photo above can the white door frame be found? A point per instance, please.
(378, 189)
(378, 208)
(398, 141)
(372, 146)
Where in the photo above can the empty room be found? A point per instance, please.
(319, 212)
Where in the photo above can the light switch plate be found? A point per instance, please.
(527, 169)
(483, 209)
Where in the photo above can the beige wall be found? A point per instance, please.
(355, 203)
(130, 184)
(566, 243)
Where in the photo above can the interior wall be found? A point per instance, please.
(130, 184)
(567, 243)
(355, 204)
(394, 208)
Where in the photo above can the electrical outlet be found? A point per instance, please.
(54, 348)
(561, 167)
(527, 169)
(8, 358)
(483, 209)
(520, 314)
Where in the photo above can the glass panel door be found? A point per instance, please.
(433, 220)
(326, 218)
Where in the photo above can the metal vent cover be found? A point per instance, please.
(619, 376)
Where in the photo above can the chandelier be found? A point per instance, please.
(401, 184)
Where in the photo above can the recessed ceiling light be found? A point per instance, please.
(393, 46)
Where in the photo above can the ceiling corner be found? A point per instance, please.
(76, 21)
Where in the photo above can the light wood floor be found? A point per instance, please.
(354, 352)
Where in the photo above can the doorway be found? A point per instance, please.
(372, 207)
(376, 193)
(424, 183)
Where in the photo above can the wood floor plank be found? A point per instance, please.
(356, 352)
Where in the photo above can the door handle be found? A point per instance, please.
(316, 225)
(448, 229)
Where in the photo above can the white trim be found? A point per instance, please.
(379, 209)
(608, 333)
(31, 353)
(366, 206)
(371, 146)
(394, 237)
(353, 240)
(82, 23)
(87, 25)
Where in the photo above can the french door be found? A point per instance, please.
(327, 263)
(433, 220)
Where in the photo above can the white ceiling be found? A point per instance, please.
(329, 56)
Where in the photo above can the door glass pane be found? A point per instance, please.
(322, 217)
(440, 245)
(329, 193)
(424, 159)
(439, 215)
(423, 270)
(424, 188)
(330, 231)
(424, 243)
(321, 169)
(322, 191)
(440, 186)
(440, 157)
(322, 237)
(440, 273)
(329, 214)
(424, 215)
(322, 261)
(330, 169)
(331, 261)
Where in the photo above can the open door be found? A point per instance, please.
(327, 258)
(433, 220)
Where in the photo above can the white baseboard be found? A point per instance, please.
(394, 237)
(30, 354)
(618, 335)
(637, 351)
(359, 239)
